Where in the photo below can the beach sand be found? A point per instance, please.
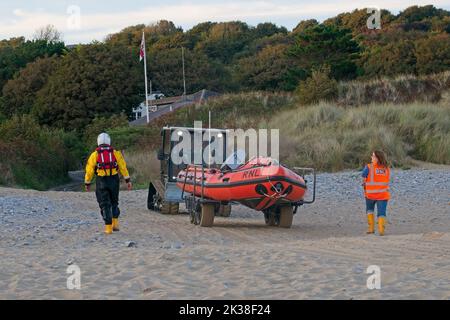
(325, 255)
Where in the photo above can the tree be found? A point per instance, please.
(267, 70)
(12, 42)
(421, 18)
(15, 57)
(305, 24)
(199, 33)
(48, 33)
(132, 36)
(225, 40)
(416, 13)
(164, 28)
(356, 21)
(433, 54)
(268, 29)
(92, 80)
(19, 94)
(166, 71)
(389, 60)
(259, 44)
(318, 87)
(322, 44)
(170, 42)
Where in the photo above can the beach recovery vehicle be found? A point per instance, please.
(261, 183)
(164, 195)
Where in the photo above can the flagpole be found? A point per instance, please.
(184, 74)
(145, 73)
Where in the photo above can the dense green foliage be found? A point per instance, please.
(35, 156)
(19, 94)
(330, 45)
(16, 53)
(93, 80)
(100, 79)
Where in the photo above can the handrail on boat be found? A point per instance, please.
(304, 171)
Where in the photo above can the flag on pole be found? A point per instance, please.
(142, 51)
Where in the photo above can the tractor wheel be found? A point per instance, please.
(286, 216)
(207, 215)
(150, 198)
(224, 210)
(169, 207)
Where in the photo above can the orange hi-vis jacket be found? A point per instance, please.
(377, 182)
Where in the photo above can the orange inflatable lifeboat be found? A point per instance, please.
(260, 184)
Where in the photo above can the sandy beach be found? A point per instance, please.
(324, 255)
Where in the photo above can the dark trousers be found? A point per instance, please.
(107, 193)
(381, 207)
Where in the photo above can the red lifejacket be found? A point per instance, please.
(377, 182)
(106, 159)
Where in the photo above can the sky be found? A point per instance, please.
(82, 21)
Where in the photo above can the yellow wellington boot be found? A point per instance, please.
(108, 228)
(115, 224)
(381, 225)
(371, 223)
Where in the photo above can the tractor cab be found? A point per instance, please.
(181, 147)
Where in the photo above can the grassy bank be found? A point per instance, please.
(333, 138)
(399, 90)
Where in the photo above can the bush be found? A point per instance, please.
(34, 156)
(319, 87)
(134, 138)
(102, 124)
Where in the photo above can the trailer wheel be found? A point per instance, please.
(207, 218)
(170, 207)
(270, 218)
(286, 216)
(224, 210)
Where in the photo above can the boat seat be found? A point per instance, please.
(233, 162)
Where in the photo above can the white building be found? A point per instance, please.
(140, 111)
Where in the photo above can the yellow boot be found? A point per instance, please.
(381, 225)
(371, 223)
(108, 228)
(115, 224)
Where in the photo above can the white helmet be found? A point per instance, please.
(103, 138)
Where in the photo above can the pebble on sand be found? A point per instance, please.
(130, 244)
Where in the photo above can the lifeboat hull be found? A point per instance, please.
(256, 186)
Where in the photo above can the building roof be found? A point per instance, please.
(176, 103)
